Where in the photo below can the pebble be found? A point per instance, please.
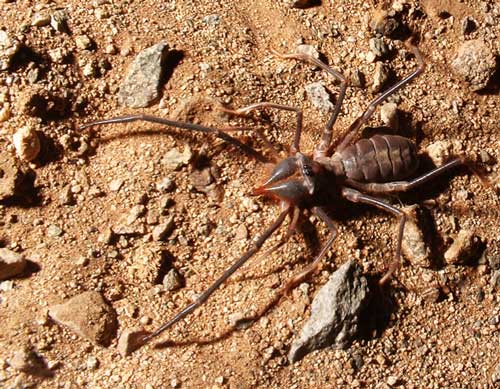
(88, 315)
(115, 185)
(212, 20)
(83, 42)
(172, 280)
(461, 248)
(59, 21)
(319, 97)
(413, 245)
(174, 159)
(40, 19)
(389, 115)
(54, 231)
(475, 63)
(141, 84)
(106, 237)
(495, 280)
(166, 185)
(334, 312)
(439, 151)
(163, 230)
(129, 341)
(378, 47)
(92, 362)
(9, 47)
(66, 197)
(307, 49)
(26, 143)
(380, 76)
(12, 175)
(11, 263)
(357, 79)
(28, 361)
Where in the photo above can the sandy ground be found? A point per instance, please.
(449, 339)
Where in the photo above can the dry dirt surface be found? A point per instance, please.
(102, 210)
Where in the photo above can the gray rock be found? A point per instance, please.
(319, 97)
(88, 315)
(475, 63)
(334, 313)
(211, 20)
(172, 280)
(140, 87)
(11, 263)
(378, 47)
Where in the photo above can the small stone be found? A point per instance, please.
(439, 151)
(141, 84)
(40, 19)
(59, 21)
(220, 380)
(166, 185)
(28, 361)
(241, 233)
(212, 20)
(378, 47)
(389, 115)
(83, 42)
(106, 237)
(54, 231)
(163, 230)
(9, 47)
(357, 79)
(11, 263)
(115, 185)
(319, 97)
(145, 320)
(110, 49)
(413, 245)
(461, 248)
(392, 380)
(200, 179)
(135, 213)
(66, 196)
(26, 143)
(173, 159)
(82, 261)
(380, 77)
(88, 315)
(90, 69)
(172, 280)
(334, 312)
(129, 341)
(495, 280)
(92, 362)
(468, 25)
(475, 63)
(308, 50)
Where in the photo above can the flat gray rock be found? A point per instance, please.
(335, 312)
(141, 85)
(88, 315)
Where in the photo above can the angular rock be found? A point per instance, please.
(172, 280)
(129, 341)
(140, 87)
(26, 143)
(88, 315)
(163, 230)
(413, 245)
(11, 263)
(11, 175)
(380, 77)
(8, 49)
(475, 63)
(174, 159)
(319, 97)
(389, 115)
(461, 248)
(335, 312)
